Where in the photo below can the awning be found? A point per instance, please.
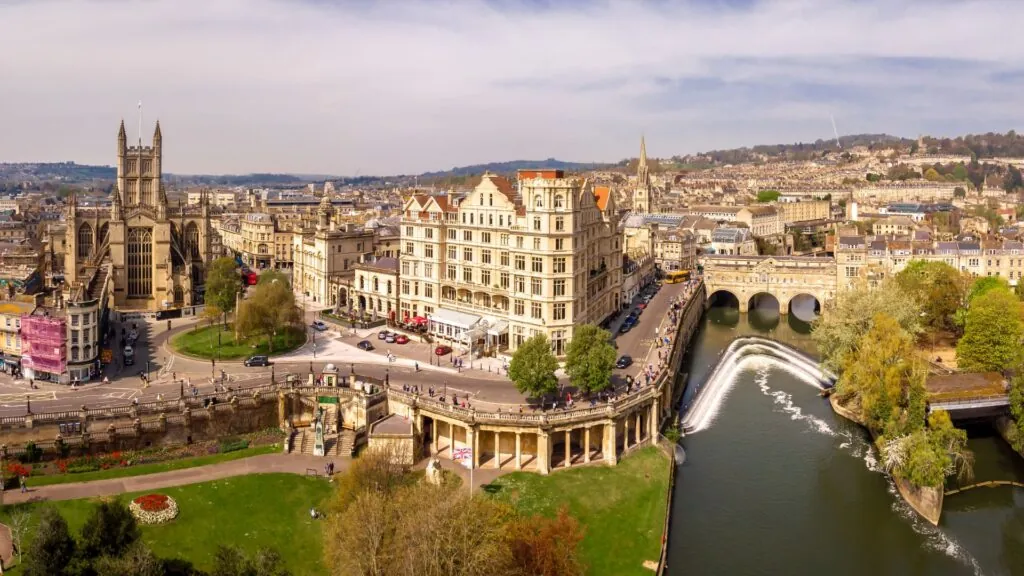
(498, 328)
(453, 318)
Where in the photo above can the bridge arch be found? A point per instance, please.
(764, 301)
(805, 307)
(724, 299)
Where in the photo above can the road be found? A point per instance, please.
(169, 373)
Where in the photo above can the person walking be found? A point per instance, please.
(24, 484)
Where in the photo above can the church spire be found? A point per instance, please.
(157, 136)
(643, 153)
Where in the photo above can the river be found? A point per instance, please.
(779, 484)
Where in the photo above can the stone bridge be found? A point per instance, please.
(783, 278)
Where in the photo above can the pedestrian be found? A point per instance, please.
(24, 484)
(417, 365)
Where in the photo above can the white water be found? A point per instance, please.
(745, 354)
(857, 446)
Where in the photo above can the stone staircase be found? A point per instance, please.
(340, 445)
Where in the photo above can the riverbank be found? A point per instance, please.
(925, 500)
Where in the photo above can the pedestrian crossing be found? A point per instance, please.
(29, 395)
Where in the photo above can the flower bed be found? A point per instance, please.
(154, 508)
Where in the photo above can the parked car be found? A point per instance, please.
(383, 335)
(442, 350)
(401, 339)
(641, 306)
(365, 345)
(319, 326)
(390, 339)
(257, 361)
(626, 327)
(625, 361)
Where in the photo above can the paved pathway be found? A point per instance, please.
(291, 463)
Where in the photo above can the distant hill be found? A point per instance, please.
(798, 150)
(512, 166)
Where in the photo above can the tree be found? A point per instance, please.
(938, 289)
(992, 335)
(271, 276)
(932, 175)
(768, 196)
(230, 561)
(590, 358)
(223, 283)
(548, 546)
(270, 309)
(138, 560)
(885, 374)
(533, 367)
(109, 531)
(212, 313)
(959, 192)
(1019, 290)
(19, 525)
(53, 547)
(844, 322)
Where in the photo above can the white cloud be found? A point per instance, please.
(402, 86)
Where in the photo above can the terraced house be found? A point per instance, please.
(511, 260)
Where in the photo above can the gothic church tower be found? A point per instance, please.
(642, 192)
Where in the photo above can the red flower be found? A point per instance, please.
(152, 502)
(62, 466)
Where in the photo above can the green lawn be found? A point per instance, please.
(621, 507)
(155, 467)
(245, 511)
(202, 343)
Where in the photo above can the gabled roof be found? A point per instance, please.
(601, 195)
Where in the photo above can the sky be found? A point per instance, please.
(364, 87)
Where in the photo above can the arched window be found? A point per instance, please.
(192, 239)
(140, 263)
(559, 201)
(538, 202)
(87, 352)
(84, 240)
(262, 249)
(179, 296)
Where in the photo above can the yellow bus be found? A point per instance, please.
(677, 276)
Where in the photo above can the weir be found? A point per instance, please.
(741, 354)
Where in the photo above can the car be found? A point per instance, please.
(319, 326)
(365, 345)
(641, 306)
(401, 339)
(442, 350)
(257, 361)
(390, 339)
(383, 335)
(624, 361)
(626, 327)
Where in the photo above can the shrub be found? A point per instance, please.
(233, 444)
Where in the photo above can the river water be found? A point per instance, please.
(779, 484)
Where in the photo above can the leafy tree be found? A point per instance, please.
(19, 525)
(230, 561)
(1013, 180)
(270, 276)
(886, 375)
(109, 530)
(845, 320)
(1017, 409)
(992, 336)
(960, 173)
(959, 192)
(270, 309)
(590, 358)
(937, 287)
(223, 284)
(533, 367)
(768, 196)
(53, 548)
(932, 176)
(1019, 290)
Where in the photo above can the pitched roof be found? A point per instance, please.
(601, 195)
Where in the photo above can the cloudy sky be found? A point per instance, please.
(384, 87)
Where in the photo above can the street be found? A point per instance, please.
(481, 380)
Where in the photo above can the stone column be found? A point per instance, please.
(497, 450)
(473, 440)
(638, 430)
(543, 452)
(568, 448)
(435, 432)
(519, 451)
(586, 445)
(655, 417)
(625, 431)
(608, 449)
(451, 440)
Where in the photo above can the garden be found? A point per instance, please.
(187, 525)
(219, 342)
(121, 464)
(623, 507)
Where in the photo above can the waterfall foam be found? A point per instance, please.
(746, 353)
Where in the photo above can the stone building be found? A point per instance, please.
(325, 258)
(506, 262)
(642, 201)
(158, 252)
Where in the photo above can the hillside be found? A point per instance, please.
(795, 151)
(512, 166)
